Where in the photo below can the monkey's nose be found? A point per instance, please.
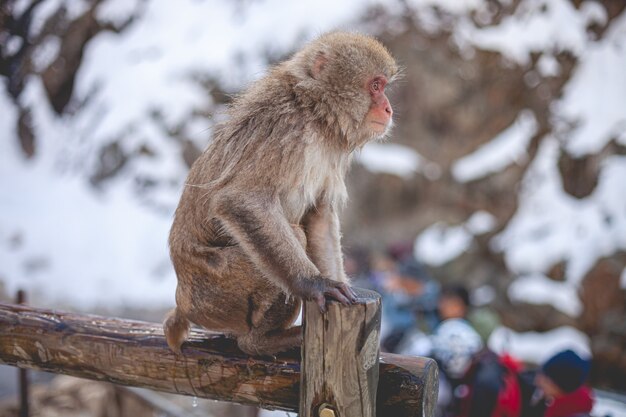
(388, 110)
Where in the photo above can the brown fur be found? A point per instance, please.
(256, 229)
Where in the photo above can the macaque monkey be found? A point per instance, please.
(256, 230)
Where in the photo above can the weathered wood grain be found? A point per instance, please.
(134, 353)
(340, 354)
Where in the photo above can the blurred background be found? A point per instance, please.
(505, 173)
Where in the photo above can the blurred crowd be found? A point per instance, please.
(423, 317)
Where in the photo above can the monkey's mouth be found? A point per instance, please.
(379, 127)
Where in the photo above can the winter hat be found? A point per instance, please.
(567, 370)
(455, 343)
(457, 291)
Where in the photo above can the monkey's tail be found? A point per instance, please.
(176, 328)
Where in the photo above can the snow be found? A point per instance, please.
(46, 52)
(535, 347)
(594, 101)
(439, 243)
(551, 226)
(72, 8)
(539, 289)
(536, 26)
(605, 407)
(622, 281)
(63, 241)
(548, 66)
(450, 6)
(276, 413)
(13, 45)
(506, 148)
(390, 158)
(117, 11)
(481, 222)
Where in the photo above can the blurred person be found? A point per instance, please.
(558, 388)
(454, 303)
(408, 292)
(474, 381)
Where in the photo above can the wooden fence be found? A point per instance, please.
(339, 372)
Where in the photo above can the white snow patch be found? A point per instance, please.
(506, 148)
(606, 407)
(535, 347)
(277, 413)
(439, 244)
(551, 226)
(390, 158)
(450, 6)
(42, 12)
(594, 100)
(548, 65)
(46, 52)
(536, 26)
(622, 279)
(13, 45)
(539, 289)
(71, 244)
(117, 11)
(481, 222)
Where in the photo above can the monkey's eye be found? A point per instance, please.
(376, 86)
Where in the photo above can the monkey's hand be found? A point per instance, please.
(320, 288)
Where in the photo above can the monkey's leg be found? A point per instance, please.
(272, 315)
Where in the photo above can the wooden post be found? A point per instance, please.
(135, 353)
(340, 354)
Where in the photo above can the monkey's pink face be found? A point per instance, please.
(379, 116)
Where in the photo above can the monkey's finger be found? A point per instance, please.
(337, 295)
(321, 302)
(349, 292)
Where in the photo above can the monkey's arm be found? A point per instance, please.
(258, 224)
(335, 233)
(321, 226)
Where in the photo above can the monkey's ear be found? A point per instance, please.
(318, 64)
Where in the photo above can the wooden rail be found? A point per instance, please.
(134, 353)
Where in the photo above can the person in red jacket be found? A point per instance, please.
(475, 381)
(558, 389)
